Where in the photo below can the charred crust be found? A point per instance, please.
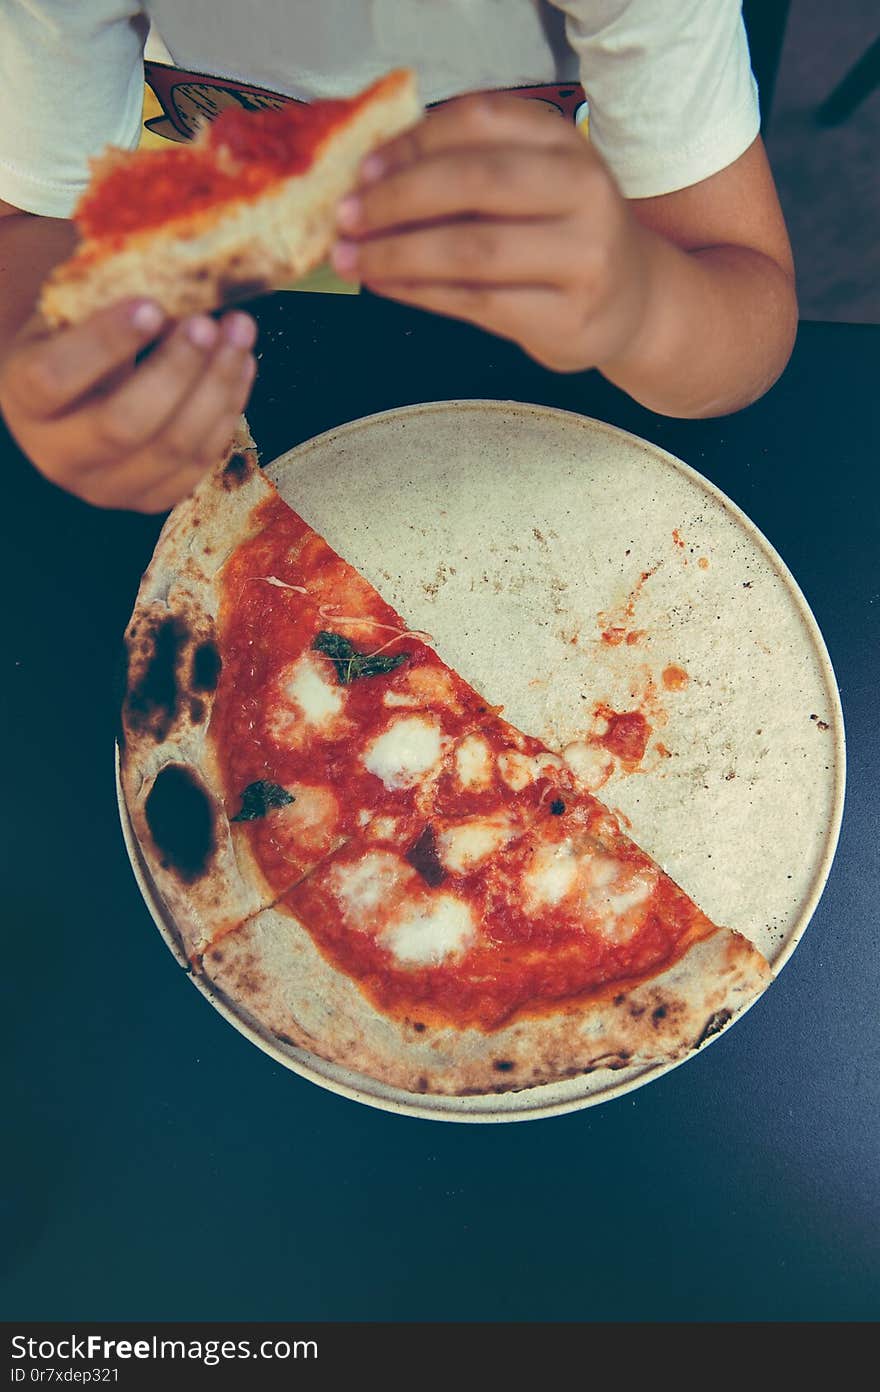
(231, 290)
(422, 1084)
(637, 1010)
(424, 857)
(196, 710)
(206, 664)
(715, 1022)
(236, 471)
(503, 1065)
(153, 698)
(659, 1015)
(182, 822)
(557, 807)
(611, 1061)
(419, 1026)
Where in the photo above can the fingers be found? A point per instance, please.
(193, 437)
(495, 180)
(50, 373)
(508, 253)
(476, 120)
(193, 372)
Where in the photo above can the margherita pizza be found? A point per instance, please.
(361, 855)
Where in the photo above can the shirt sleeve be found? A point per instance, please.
(71, 83)
(670, 86)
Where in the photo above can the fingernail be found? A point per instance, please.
(348, 213)
(344, 257)
(147, 317)
(372, 169)
(240, 330)
(202, 332)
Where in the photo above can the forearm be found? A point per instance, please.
(716, 331)
(29, 247)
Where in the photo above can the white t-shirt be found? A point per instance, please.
(671, 93)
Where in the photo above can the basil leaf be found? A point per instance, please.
(258, 798)
(351, 664)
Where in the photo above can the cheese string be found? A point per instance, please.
(280, 584)
(325, 611)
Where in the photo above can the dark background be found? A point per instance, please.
(157, 1165)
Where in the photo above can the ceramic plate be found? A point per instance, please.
(575, 573)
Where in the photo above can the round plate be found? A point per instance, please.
(570, 570)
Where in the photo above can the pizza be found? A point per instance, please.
(361, 855)
(246, 206)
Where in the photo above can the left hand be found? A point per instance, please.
(496, 211)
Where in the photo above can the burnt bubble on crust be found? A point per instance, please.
(715, 1022)
(503, 1065)
(181, 819)
(206, 664)
(234, 291)
(236, 471)
(424, 857)
(152, 704)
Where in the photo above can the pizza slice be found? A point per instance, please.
(257, 736)
(362, 855)
(491, 949)
(247, 206)
(327, 699)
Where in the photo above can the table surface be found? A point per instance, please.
(158, 1166)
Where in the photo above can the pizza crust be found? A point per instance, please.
(273, 976)
(203, 871)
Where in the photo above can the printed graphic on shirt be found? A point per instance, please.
(186, 99)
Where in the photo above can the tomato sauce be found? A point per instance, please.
(280, 586)
(627, 735)
(243, 153)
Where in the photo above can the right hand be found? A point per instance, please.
(120, 434)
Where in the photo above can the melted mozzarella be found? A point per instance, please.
(382, 828)
(519, 770)
(308, 698)
(311, 819)
(427, 685)
(551, 875)
(363, 886)
(426, 933)
(590, 763)
(410, 748)
(473, 762)
(463, 846)
(616, 893)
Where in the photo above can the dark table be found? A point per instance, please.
(158, 1166)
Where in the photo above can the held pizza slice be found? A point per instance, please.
(247, 206)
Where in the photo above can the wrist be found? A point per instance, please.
(646, 337)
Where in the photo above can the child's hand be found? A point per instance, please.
(120, 434)
(496, 211)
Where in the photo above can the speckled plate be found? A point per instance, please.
(575, 573)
